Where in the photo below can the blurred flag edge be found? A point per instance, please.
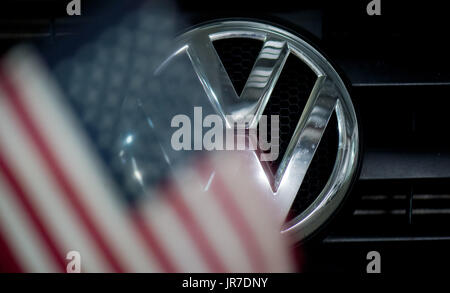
(56, 197)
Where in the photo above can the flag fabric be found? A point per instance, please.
(58, 194)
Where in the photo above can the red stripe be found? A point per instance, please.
(235, 216)
(181, 209)
(8, 261)
(54, 251)
(153, 244)
(52, 164)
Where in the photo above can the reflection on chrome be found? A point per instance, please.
(329, 96)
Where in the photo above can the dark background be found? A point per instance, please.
(397, 69)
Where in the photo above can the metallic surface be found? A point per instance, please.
(328, 96)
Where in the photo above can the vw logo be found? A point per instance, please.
(329, 96)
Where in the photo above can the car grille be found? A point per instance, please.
(403, 192)
(399, 194)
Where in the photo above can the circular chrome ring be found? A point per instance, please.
(330, 87)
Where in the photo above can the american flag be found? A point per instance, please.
(85, 166)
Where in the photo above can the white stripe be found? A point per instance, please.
(83, 168)
(20, 235)
(45, 197)
(172, 234)
(214, 222)
(235, 171)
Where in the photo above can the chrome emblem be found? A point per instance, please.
(329, 95)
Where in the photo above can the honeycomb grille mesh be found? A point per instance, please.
(238, 55)
(288, 100)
